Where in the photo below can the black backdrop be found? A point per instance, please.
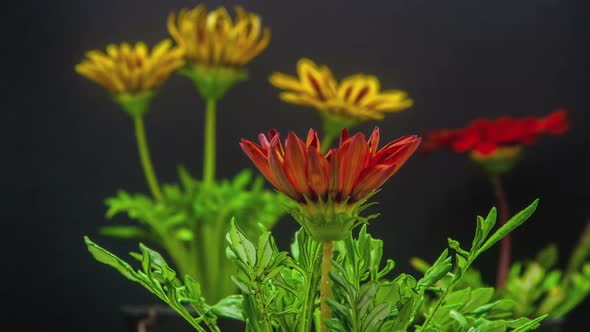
(457, 59)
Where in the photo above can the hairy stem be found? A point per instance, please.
(326, 282)
(209, 142)
(144, 155)
(506, 243)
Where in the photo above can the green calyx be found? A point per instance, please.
(135, 104)
(500, 162)
(331, 221)
(213, 82)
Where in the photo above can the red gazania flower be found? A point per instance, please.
(485, 137)
(347, 173)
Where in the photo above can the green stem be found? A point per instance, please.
(209, 141)
(144, 155)
(326, 282)
(225, 285)
(311, 286)
(200, 254)
(210, 238)
(327, 142)
(448, 290)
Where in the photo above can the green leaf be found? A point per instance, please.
(244, 249)
(455, 245)
(125, 232)
(460, 319)
(547, 257)
(478, 298)
(193, 287)
(184, 234)
(533, 324)
(437, 271)
(230, 307)
(264, 252)
(157, 277)
(376, 316)
(459, 297)
(513, 223)
(107, 258)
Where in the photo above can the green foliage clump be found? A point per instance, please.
(280, 290)
(537, 287)
(191, 220)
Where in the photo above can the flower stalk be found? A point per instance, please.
(144, 155)
(506, 243)
(210, 142)
(326, 282)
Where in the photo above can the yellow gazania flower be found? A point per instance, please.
(212, 39)
(357, 97)
(127, 69)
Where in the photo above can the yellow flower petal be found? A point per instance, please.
(214, 39)
(131, 69)
(286, 82)
(301, 99)
(355, 97)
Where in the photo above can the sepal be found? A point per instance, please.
(329, 220)
(214, 82)
(135, 104)
(500, 161)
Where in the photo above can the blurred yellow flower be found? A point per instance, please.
(212, 39)
(356, 97)
(127, 69)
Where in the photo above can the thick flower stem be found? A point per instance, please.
(210, 146)
(326, 282)
(506, 243)
(144, 155)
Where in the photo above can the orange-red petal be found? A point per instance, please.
(389, 149)
(258, 155)
(312, 140)
(318, 173)
(374, 141)
(373, 179)
(354, 157)
(295, 164)
(282, 181)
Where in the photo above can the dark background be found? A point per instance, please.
(457, 59)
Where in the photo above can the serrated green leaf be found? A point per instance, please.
(244, 249)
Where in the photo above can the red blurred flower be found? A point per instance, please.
(484, 137)
(346, 174)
